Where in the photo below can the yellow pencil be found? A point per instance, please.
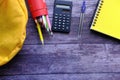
(40, 32)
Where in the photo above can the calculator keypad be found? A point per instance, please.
(61, 22)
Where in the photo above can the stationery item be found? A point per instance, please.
(49, 25)
(40, 32)
(38, 9)
(39, 19)
(106, 19)
(81, 24)
(45, 23)
(62, 16)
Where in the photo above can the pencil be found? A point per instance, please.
(45, 23)
(49, 25)
(40, 32)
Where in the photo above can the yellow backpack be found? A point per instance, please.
(13, 20)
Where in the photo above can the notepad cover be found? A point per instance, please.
(107, 18)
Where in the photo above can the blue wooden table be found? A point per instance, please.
(64, 56)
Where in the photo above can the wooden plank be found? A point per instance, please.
(93, 76)
(113, 56)
(62, 58)
(87, 35)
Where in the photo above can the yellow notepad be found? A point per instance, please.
(107, 18)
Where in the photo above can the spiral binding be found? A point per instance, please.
(97, 12)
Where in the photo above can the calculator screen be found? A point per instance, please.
(63, 6)
(66, 10)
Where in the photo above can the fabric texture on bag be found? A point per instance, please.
(13, 20)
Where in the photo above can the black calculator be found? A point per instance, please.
(62, 16)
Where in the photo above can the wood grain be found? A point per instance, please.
(64, 56)
(93, 76)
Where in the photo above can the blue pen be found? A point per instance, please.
(83, 9)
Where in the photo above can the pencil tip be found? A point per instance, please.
(52, 33)
(42, 43)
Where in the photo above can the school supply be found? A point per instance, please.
(40, 32)
(81, 24)
(107, 18)
(13, 20)
(62, 16)
(39, 11)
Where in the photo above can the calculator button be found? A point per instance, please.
(56, 14)
(60, 14)
(68, 15)
(68, 18)
(63, 28)
(60, 20)
(56, 17)
(60, 17)
(55, 27)
(63, 20)
(68, 21)
(67, 27)
(63, 17)
(55, 22)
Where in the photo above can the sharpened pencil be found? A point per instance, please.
(40, 32)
